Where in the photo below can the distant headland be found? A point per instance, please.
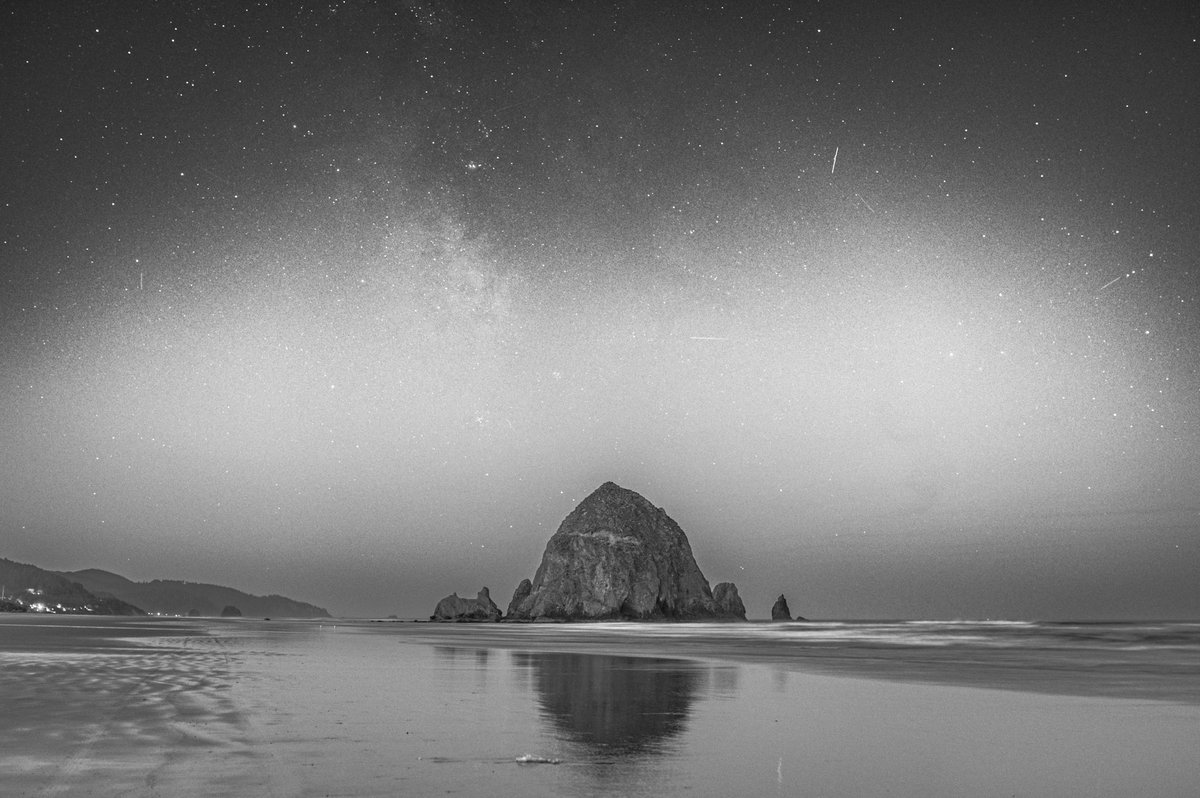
(27, 588)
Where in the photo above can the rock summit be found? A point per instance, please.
(617, 556)
(781, 612)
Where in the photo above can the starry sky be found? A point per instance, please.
(892, 307)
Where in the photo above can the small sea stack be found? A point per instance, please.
(454, 608)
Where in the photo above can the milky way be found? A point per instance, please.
(894, 312)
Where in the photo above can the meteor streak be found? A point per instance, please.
(1118, 277)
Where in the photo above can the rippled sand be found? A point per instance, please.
(88, 716)
(110, 707)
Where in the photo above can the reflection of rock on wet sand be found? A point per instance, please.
(477, 657)
(611, 704)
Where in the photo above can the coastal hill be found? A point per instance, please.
(92, 591)
(27, 588)
(173, 597)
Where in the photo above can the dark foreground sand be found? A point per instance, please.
(110, 707)
(86, 715)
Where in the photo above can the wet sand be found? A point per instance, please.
(89, 713)
(109, 707)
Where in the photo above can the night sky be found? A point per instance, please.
(894, 309)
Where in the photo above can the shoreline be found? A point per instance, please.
(230, 707)
(1132, 675)
(1051, 673)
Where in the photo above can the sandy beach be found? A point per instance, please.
(109, 707)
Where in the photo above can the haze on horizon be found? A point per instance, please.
(354, 303)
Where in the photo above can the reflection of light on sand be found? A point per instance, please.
(795, 631)
(17, 763)
(534, 759)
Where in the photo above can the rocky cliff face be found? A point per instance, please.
(618, 556)
(453, 608)
(729, 603)
(519, 595)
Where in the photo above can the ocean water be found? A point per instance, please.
(235, 707)
(1159, 661)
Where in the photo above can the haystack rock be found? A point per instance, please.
(780, 610)
(617, 556)
(453, 608)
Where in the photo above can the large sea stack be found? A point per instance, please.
(617, 556)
